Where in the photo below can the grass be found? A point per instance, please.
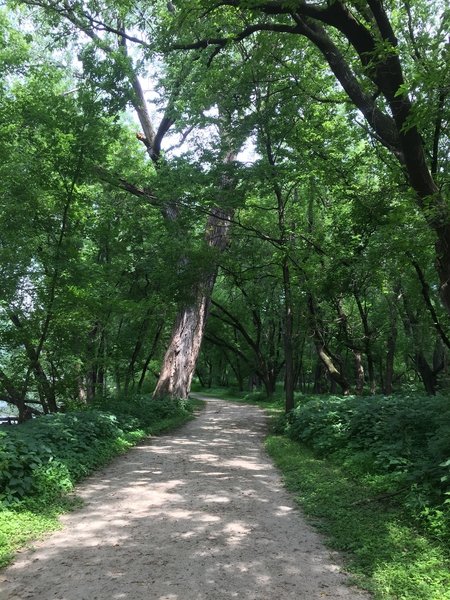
(33, 517)
(381, 547)
(28, 522)
(384, 552)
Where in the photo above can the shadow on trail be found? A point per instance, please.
(199, 514)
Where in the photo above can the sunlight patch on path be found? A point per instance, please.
(196, 515)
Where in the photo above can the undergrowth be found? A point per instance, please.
(398, 444)
(41, 460)
(382, 547)
(373, 474)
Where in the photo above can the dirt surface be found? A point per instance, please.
(198, 514)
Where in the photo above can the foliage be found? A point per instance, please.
(46, 456)
(152, 415)
(400, 442)
(41, 460)
(382, 549)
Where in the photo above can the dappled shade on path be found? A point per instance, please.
(198, 514)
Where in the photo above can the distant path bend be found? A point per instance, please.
(199, 514)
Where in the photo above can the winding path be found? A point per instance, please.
(199, 514)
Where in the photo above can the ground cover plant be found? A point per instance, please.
(372, 475)
(374, 471)
(399, 444)
(41, 460)
(381, 547)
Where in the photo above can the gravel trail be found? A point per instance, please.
(199, 514)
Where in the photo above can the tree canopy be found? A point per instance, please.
(244, 192)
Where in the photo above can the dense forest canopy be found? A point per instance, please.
(246, 192)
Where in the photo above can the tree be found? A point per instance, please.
(377, 77)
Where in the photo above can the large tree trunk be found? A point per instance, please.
(187, 334)
(182, 353)
(181, 356)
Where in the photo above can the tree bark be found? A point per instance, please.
(184, 346)
(323, 353)
(181, 355)
(390, 355)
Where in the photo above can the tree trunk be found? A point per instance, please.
(323, 353)
(181, 356)
(426, 373)
(150, 355)
(288, 346)
(359, 372)
(335, 375)
(200, 378)
(367, 343)
(130, 373)
(390, 355)
(15, 397)
(236, 368)
(182, 353)
(210, 375)
(319, 384)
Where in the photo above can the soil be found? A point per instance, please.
(197, 514)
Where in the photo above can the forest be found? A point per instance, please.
(240, 194)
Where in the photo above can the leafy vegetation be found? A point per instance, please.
(372, 474)
(270, 189)
(382, 548)
(41, 460)
(399, 444)
(284, 208)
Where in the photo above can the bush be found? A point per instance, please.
(405, 438)
(144, 410)
(47, 455)
(57, 449)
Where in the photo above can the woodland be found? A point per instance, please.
(244, 194)
(280, 167)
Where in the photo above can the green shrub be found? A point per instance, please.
(46, 456)
(53, 451)
(402, 440)
(143, 409)
(41, 460)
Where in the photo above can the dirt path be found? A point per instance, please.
(195, 515)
